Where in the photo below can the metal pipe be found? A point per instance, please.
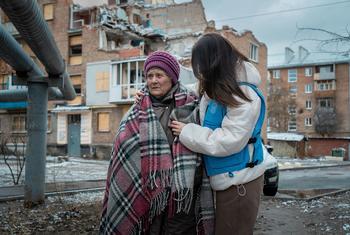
(67, 88)
(13, 54)
(34, 192)
(30, 23)
(13, 95)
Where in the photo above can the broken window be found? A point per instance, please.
(80, 17)
(76, 82)
(48, 11)
(75, 50)
(110, 41)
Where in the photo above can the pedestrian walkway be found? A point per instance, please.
(17, 192)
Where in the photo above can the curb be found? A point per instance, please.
(332, 193)
(313, 167)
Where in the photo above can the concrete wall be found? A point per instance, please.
(93, 97)
(179, 18)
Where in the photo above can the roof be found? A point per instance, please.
(313, 58)
(70, 109)
(284, 136)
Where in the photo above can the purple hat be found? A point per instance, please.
(164, 61)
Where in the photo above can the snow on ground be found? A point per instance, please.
(75, 169)
(60, 170)
(286, 162)
(86, 197)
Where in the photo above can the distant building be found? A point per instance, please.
(309, 94)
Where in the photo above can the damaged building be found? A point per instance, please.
(105, 44)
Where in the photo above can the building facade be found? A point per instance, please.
(104, 44)
(309, 94)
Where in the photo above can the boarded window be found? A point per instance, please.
(75, 50)
(102, 81)
(19, 123)
(103, 122)
(4, 82)
(48, 11)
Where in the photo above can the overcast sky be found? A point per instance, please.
(279, 30)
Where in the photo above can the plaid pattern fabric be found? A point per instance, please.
(144, 177)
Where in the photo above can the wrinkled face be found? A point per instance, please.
(158, 82)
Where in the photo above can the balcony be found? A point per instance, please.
(126, 79)
(325, 93)
(324, 76)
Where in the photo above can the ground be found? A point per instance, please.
(80, 214)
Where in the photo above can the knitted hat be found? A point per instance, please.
(164, 61)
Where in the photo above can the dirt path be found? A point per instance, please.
(80, 214)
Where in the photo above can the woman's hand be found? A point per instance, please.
(176, 127)
(138, 97)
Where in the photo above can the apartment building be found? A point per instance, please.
(309, 94)
(92, 33)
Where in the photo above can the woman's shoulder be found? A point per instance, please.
(252, 74)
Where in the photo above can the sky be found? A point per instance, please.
(278, 31)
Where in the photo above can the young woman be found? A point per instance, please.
(231, 114)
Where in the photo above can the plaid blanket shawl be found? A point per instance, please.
(145, 176)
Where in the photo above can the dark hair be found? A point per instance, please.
(215, 62)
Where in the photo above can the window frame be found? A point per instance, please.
(254, 52)
(101, 130)
(290, 78)
(308, 121)
(276, 72)
(19, 130)
(308, 88)
(292, 123)
(308, 107)
(308, 72)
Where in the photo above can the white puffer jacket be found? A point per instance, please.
(237, 128)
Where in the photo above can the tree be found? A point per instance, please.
(325, 120)
(326, 40)
(279, 99)
(12, 150)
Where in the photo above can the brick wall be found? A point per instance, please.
(341, 98)
(323, 147)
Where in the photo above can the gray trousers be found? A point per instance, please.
(237, 208)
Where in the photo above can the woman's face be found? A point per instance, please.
(158, 82)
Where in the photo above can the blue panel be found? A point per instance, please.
(13, 105)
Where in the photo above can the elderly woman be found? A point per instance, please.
(154, 184)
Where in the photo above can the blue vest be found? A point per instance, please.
(214, 115)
